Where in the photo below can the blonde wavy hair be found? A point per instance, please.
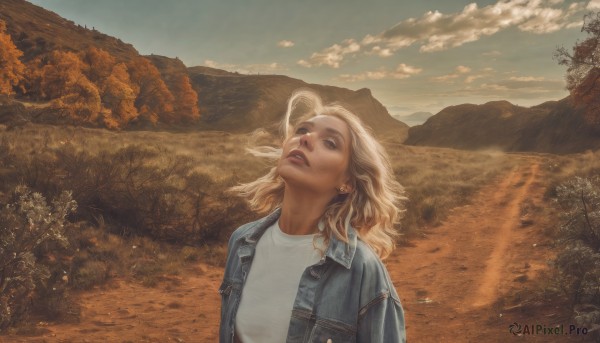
(374, 205)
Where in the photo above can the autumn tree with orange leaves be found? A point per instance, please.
(63, 81)
(583, 69)
(117, 93)
(154, 101)
(12, 70)
(94, 87)
(186, 104)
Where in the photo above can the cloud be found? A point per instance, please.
(285, 44)
(492, 53)
(593, 5)
(526, 78)
(402, 71)
(458, 72)
(436, 31)
(257, 68)
(516, 87)
(381, 52)
(333, 55)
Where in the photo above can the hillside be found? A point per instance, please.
(227, 101)
(37, 31)
(239, 102)
(554, 126)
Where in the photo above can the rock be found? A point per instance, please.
(521, 278)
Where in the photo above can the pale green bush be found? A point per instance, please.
(26, 223)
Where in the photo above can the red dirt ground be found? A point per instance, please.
(457, 285)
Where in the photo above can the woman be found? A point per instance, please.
(311, 270)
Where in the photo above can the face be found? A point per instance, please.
(324, 142)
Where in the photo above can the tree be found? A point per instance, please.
(583, 69)
(578, 261)
(118, 96)
(186, 99)
(63, 81)
(12, 71)
(28, 222)
(154, 100)
(100, 65)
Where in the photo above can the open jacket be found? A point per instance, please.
(346, 297)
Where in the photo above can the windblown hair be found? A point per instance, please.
(374, 205)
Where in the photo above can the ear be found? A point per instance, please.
(348, 188)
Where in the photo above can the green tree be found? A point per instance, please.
(27, 223)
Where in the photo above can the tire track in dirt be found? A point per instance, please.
(450, 282)
(492, 275)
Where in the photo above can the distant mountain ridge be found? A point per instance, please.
(413, 119)
(235, 102)
(227, 101)
(553, 127)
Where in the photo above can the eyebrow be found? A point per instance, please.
(328, 129)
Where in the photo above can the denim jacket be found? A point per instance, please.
(346, 297)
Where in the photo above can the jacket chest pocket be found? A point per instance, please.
(305, 327)
(326, 331)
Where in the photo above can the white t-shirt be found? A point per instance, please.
(270, 290)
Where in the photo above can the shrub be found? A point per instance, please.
(139, 190)
(27, 223)
(578, 262)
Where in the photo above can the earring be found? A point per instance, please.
(343, 189)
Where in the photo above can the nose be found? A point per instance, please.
(306, 140)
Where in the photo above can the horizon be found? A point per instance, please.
(414, 57)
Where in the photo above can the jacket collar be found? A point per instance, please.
(337, 250)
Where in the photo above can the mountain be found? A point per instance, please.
(553, 127)
(227, 101)
(37, 31)
(413, 119)
(239, 102)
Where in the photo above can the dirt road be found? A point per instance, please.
(452, 283)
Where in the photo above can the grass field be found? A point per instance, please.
(103, 243)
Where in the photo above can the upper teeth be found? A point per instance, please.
(297, 155)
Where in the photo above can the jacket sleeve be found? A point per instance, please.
(382, 320)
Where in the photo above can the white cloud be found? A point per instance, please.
(593, 5)
(526, 78)
(462, 69)
(377, 50)
(436, 31)
(285, 44)
(403, 71)
(257, 68)
(458, 72)
(333, 55)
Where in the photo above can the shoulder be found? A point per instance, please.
(244, 230)
(376, 281)
(365, 257)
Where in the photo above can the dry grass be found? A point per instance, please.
(560, 168)
(435, 179)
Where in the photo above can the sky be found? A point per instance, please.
(414, 56)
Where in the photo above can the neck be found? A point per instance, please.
(301, 211)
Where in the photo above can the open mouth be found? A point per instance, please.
(298, 156)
